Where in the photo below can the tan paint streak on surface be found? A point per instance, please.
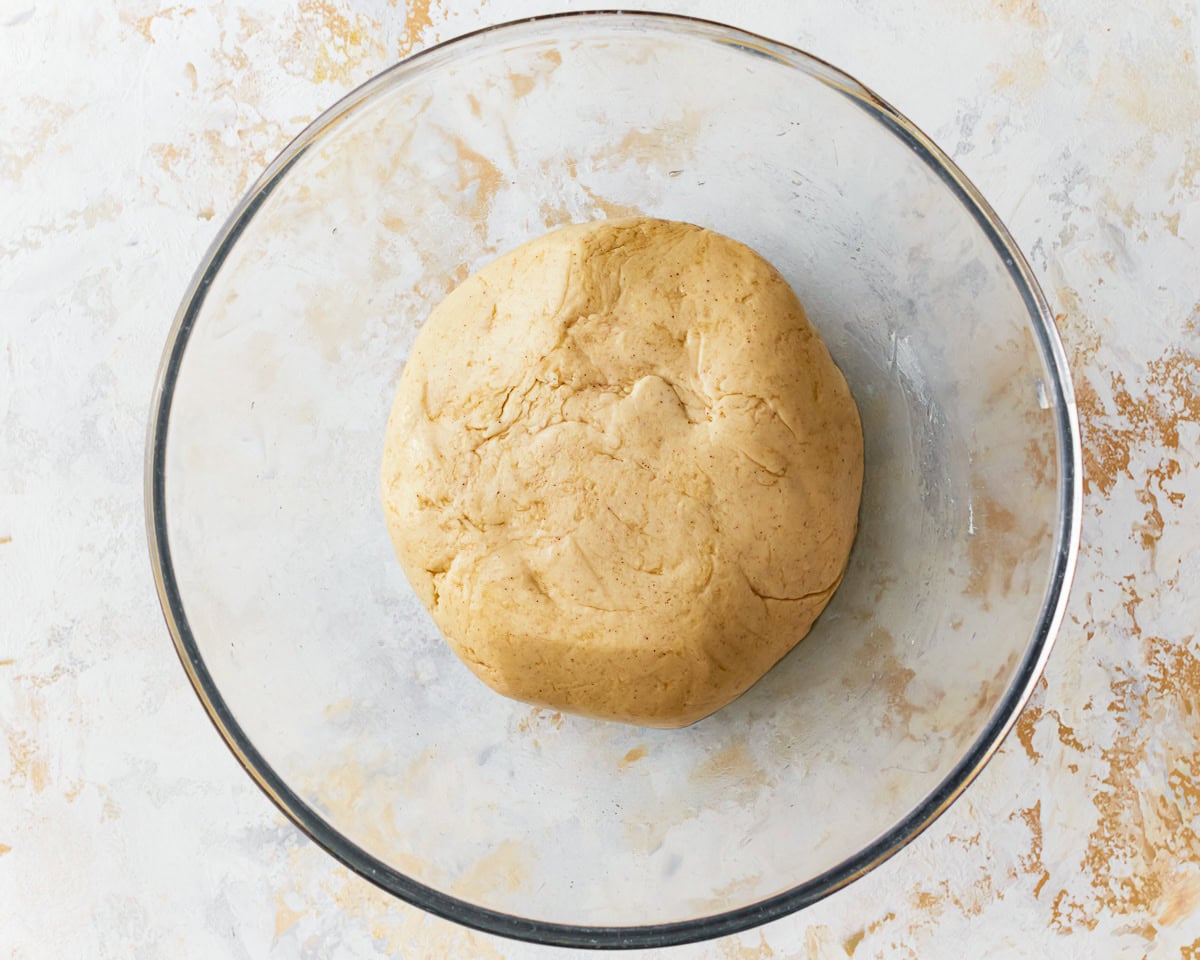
(995, 553)
(285, 916)
(1026, 728)
(966, 841)
(641, 147)
(632, 757)
(418, 19)
(457, 275)
(1024, 76)
(5, 848)
(1180, 899)
(20, 150)
(505, 868)
(397, 927)
(555, 214)
(1153, 99)
(926, 900)
(1032, 862)
(1150, 530)
(1146, 802)
(539, 718)
(365, 793)
(880, 666)
(1039, 460)
(343, 787)
(1066, 734)
(522, 84)
(1192, 323)
(144, 25)
(167, 154)
(610, 208)
(670, 147)
(1027, 11)
(741, 890)
(344, 43)
(1171, 396)
(854, 941)
(1066, 913)
(733, 949)
(28, 763)
(1106, 449)
(733, 764)
(644, 835)
(1151, 831)
(969, 899)
(474, 169)
(1187, 178)
(1147, 931)
(817, 940)
(393, 222)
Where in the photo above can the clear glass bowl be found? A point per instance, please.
(325, 675)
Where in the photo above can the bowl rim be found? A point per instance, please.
(490, 921)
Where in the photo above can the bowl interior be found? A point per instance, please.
(301, 615)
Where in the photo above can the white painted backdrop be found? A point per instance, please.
(129, 128)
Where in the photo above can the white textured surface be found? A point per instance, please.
(129, 130)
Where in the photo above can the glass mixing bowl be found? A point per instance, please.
(325, 675)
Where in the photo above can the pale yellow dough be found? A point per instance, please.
(622, 471)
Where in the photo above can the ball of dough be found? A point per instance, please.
(622, 471)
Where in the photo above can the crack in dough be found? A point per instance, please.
(622, 470)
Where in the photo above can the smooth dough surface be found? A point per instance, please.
(622, 470)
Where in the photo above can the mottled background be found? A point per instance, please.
(127, 132)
